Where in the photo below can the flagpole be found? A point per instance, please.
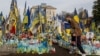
(45, 19)
(40, 22)
(40, 19)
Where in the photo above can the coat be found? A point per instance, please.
(75, 28)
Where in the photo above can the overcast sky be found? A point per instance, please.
(61, 5)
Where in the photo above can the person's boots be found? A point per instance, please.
(83, 54)
(72, 49)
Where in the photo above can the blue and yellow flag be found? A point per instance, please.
(28, 14)
(26, 19)
(76, 18)
(67, 27)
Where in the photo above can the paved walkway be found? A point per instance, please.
(7, 49)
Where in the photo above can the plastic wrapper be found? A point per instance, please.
(33, 47)
(91, 49)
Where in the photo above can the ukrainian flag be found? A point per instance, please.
(42, 19)
(35, 21)
(76, 18)
(25, 20)
(67, 27)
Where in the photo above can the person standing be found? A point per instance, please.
(75, 34)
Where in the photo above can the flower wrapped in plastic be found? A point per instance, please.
(43, 47)
(87, 49)
(22, 47)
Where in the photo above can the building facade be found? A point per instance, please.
(50, 11)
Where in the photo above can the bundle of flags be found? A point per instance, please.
(39, 18)
(27, 19)
(13, 23)
(77, 19)
(14, 18)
